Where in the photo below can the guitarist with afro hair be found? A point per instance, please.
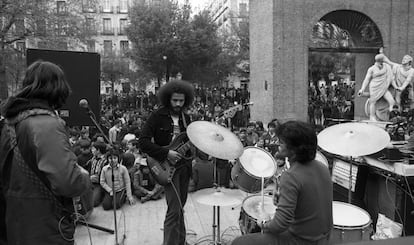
(161, 129)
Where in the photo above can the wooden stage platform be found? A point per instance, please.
(144, 223)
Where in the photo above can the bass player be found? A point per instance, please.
(161, 128)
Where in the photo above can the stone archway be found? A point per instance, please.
(341, 45)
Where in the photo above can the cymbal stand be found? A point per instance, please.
(350, 182)
(350, 178)
(216, 209)
(262, 204)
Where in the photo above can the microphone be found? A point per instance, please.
(83, 103)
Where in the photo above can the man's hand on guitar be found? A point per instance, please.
(174, 156)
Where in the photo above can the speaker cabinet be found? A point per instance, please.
(82, 71)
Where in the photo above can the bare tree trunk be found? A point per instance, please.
(4, 90)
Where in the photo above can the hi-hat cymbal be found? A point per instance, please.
(219, 197)
(214, 140)
(353, 139)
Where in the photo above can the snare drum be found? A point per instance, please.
(320, 157)
(251, 210)
(249, 169)
(351, 223)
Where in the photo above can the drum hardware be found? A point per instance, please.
(353, 140)
(351, 224)
(249, 169)
(253, 208)
(218, 142)
(214, 140)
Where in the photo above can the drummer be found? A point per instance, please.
(304, 207)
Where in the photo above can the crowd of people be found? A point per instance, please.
(328, 101)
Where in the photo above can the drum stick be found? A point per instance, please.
(263, 194)
(287, 162)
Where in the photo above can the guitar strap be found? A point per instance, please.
(184, 121)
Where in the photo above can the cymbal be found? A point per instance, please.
(353, 139)
(219, 197)
(214, 140)
(258, 162)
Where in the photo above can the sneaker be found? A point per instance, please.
(144, 199)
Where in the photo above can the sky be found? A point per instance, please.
(196, 5)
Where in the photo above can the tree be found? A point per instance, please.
(234, 56)
(166, 41)
(114, 68)
(45, 23)
(152, 35)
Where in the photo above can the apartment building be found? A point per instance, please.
(228, 12)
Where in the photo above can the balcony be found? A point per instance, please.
(109, 10)
(119, 10)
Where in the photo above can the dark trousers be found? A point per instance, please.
(97, 192)
(108, 200)
(174, 227)
(284, 238)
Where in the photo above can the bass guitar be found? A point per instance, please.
(163, 172)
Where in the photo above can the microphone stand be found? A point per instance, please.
(93, 118)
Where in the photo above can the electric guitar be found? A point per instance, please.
(163, 172)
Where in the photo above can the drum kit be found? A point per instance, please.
(354, 139)
(254, 167)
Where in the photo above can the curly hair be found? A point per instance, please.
(300, 138)
(176, 86)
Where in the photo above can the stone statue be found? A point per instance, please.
(402, 78)
(378, 78)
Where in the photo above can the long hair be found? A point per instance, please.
(45, 81)
(300, 138)
(176, 86)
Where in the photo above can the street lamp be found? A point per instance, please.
(167, 77)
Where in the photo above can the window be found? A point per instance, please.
(107, 47)
(41, 27)
(90, 25)
(122, 25)
(62, 45)
(62, 29)
(19, 27)
(123, 6)
(61, 7)
(107, 26)
(243, 10)
(42, 44)
(124, 47)
(21, 46)
(88, 6)
(107, 6)
(91, 45)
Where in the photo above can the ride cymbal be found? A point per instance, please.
(353, 139)
(219, 197)
(214, 140)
